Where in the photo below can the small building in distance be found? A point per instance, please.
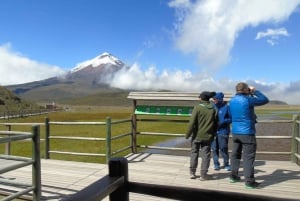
(51, 106)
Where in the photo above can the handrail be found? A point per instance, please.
(9, 128)
(112, 185)
(188, 149)
(22, 124)
(76, 123)
(23, 113)
(295, 156)
(20, 162)
(108, 138)
(294, 153)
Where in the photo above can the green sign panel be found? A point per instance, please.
(164, 110)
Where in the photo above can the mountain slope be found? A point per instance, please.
(85, 79)
(10, 102)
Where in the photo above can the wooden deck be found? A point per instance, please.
(63, 178)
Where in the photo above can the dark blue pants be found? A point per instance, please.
(220, 144)
(202, 147)
(247, 145)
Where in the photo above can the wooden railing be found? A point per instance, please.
(180, 104)
(108, 139)
(16, 162)
(295, 155)
(117, 186)
(274, 151)
(135, 133)
(9, 129)
(12, 114)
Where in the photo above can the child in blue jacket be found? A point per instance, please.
(220, 143)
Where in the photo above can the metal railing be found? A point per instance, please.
(11, 163)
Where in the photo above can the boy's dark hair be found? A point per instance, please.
(206, 95)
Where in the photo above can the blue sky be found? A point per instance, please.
(183, 45)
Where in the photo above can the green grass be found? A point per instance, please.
(83, 114)
(285, 111)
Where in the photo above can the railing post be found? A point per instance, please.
(119, 167)
(47, 139)
(134, 128)
(36, 166)
(108, 139)
(7, 145)
(295, 134)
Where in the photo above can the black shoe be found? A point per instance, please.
(252, 185)
(206, 177)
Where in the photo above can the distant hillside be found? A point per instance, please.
(277, 102)
(11, 102)
(56, 90)
(84, 84)
(104, 98)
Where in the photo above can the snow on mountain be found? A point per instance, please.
(103, 59)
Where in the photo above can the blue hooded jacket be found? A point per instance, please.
(223, 115)
(242, 112)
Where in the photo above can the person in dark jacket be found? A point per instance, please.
(243, 131)
(220, 142)
(202, 128)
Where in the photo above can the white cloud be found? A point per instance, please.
(17, 69)
(133, 78)
(272, 35)
(209, 28)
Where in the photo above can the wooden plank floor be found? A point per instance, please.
(63, 178)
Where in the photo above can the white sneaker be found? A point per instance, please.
(193, 176)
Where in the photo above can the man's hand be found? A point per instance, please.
(252, 89)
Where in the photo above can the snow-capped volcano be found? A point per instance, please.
(99, 70)
(103, 59)
(86, 78)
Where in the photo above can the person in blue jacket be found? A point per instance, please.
(220, 142)
(243, 131)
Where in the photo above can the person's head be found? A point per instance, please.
(218, 98)
(206, 95)
(242, 87)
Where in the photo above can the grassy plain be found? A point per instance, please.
(86, 114)
(99, 114)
